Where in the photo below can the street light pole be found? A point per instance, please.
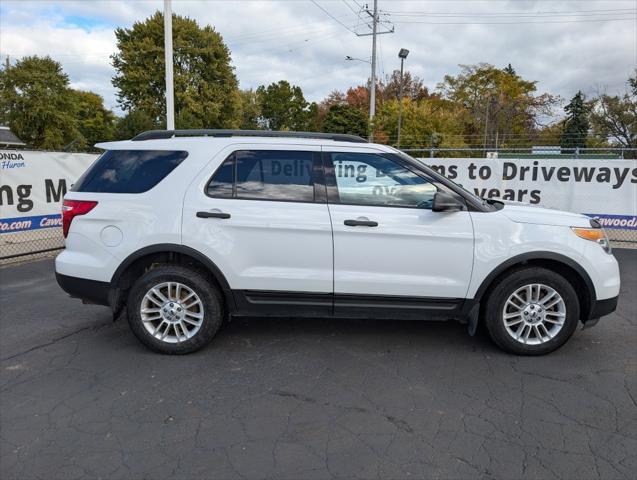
(402, 54)
(168, 60)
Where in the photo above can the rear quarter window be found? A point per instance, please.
(128, 171)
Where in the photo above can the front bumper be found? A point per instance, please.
(600, 308)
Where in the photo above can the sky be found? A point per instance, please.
(565, 45)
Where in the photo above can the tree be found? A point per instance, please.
(206, 89)
(632, 84)
(345, 119)
(509, 70)
(433, 122)
(283, 107)
(133, 123)
(413, 87)
(576, 125)
(335, 97)
(500, 104)
(614, 117)
(549, 134)
(358, 97)
(250, 109)
(37, 103)
(95, 122)
(314, 120)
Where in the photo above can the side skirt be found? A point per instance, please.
(264, 303)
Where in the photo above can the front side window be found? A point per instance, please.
(376, 180)
(265, 175)
(128, 171)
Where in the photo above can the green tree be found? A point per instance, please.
(206, 88)
(550, 134)
(500, 104)
(345, 119)
(509, 70)
(95, 122)
(37, 103)
(433, 122)
(632, 84)
(614, 117)
(335, 97)
(576, 124)
(283, 107)
(250, 109)
(133, 123)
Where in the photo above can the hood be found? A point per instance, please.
(527, 213)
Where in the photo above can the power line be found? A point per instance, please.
(332, 17)
(515, 23)
(350, 7)
(571, 13)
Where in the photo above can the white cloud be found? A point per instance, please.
(295, 40)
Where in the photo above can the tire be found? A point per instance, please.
(182, 310)
(539, 320)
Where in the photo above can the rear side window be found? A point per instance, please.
(128, 171)
(222, 184)
(265, 175)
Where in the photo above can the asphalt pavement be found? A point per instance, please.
(80, 397)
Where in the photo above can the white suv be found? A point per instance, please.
(187, 228)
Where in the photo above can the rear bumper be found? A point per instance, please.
(91, 291)
(600, 308)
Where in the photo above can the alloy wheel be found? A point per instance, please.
(172, 312)
(534, 314)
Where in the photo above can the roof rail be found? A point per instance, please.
(163, 134)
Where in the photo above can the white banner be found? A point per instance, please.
(603, 189)
(32, 185)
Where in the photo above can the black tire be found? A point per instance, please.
(510, 283)
(198, 283)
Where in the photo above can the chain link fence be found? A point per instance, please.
(15, 247)
(622, 238)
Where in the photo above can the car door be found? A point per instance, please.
(393, 256)
(262, 218)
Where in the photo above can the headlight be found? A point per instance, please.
(594, 235)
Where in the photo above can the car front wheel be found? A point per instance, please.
(532, 311)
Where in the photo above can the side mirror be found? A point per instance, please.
(447, 202)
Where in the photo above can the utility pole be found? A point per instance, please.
(372, 90)
(168, 60)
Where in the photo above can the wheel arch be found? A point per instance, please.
(139, 261)
(565, 266)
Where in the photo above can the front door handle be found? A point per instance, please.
(213, 215)
(360, 223)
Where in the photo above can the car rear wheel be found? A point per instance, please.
(174, 310)
(532, 311)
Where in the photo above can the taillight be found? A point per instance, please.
(73, 208)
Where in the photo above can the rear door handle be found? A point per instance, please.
(360, 223)
(213, 215)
